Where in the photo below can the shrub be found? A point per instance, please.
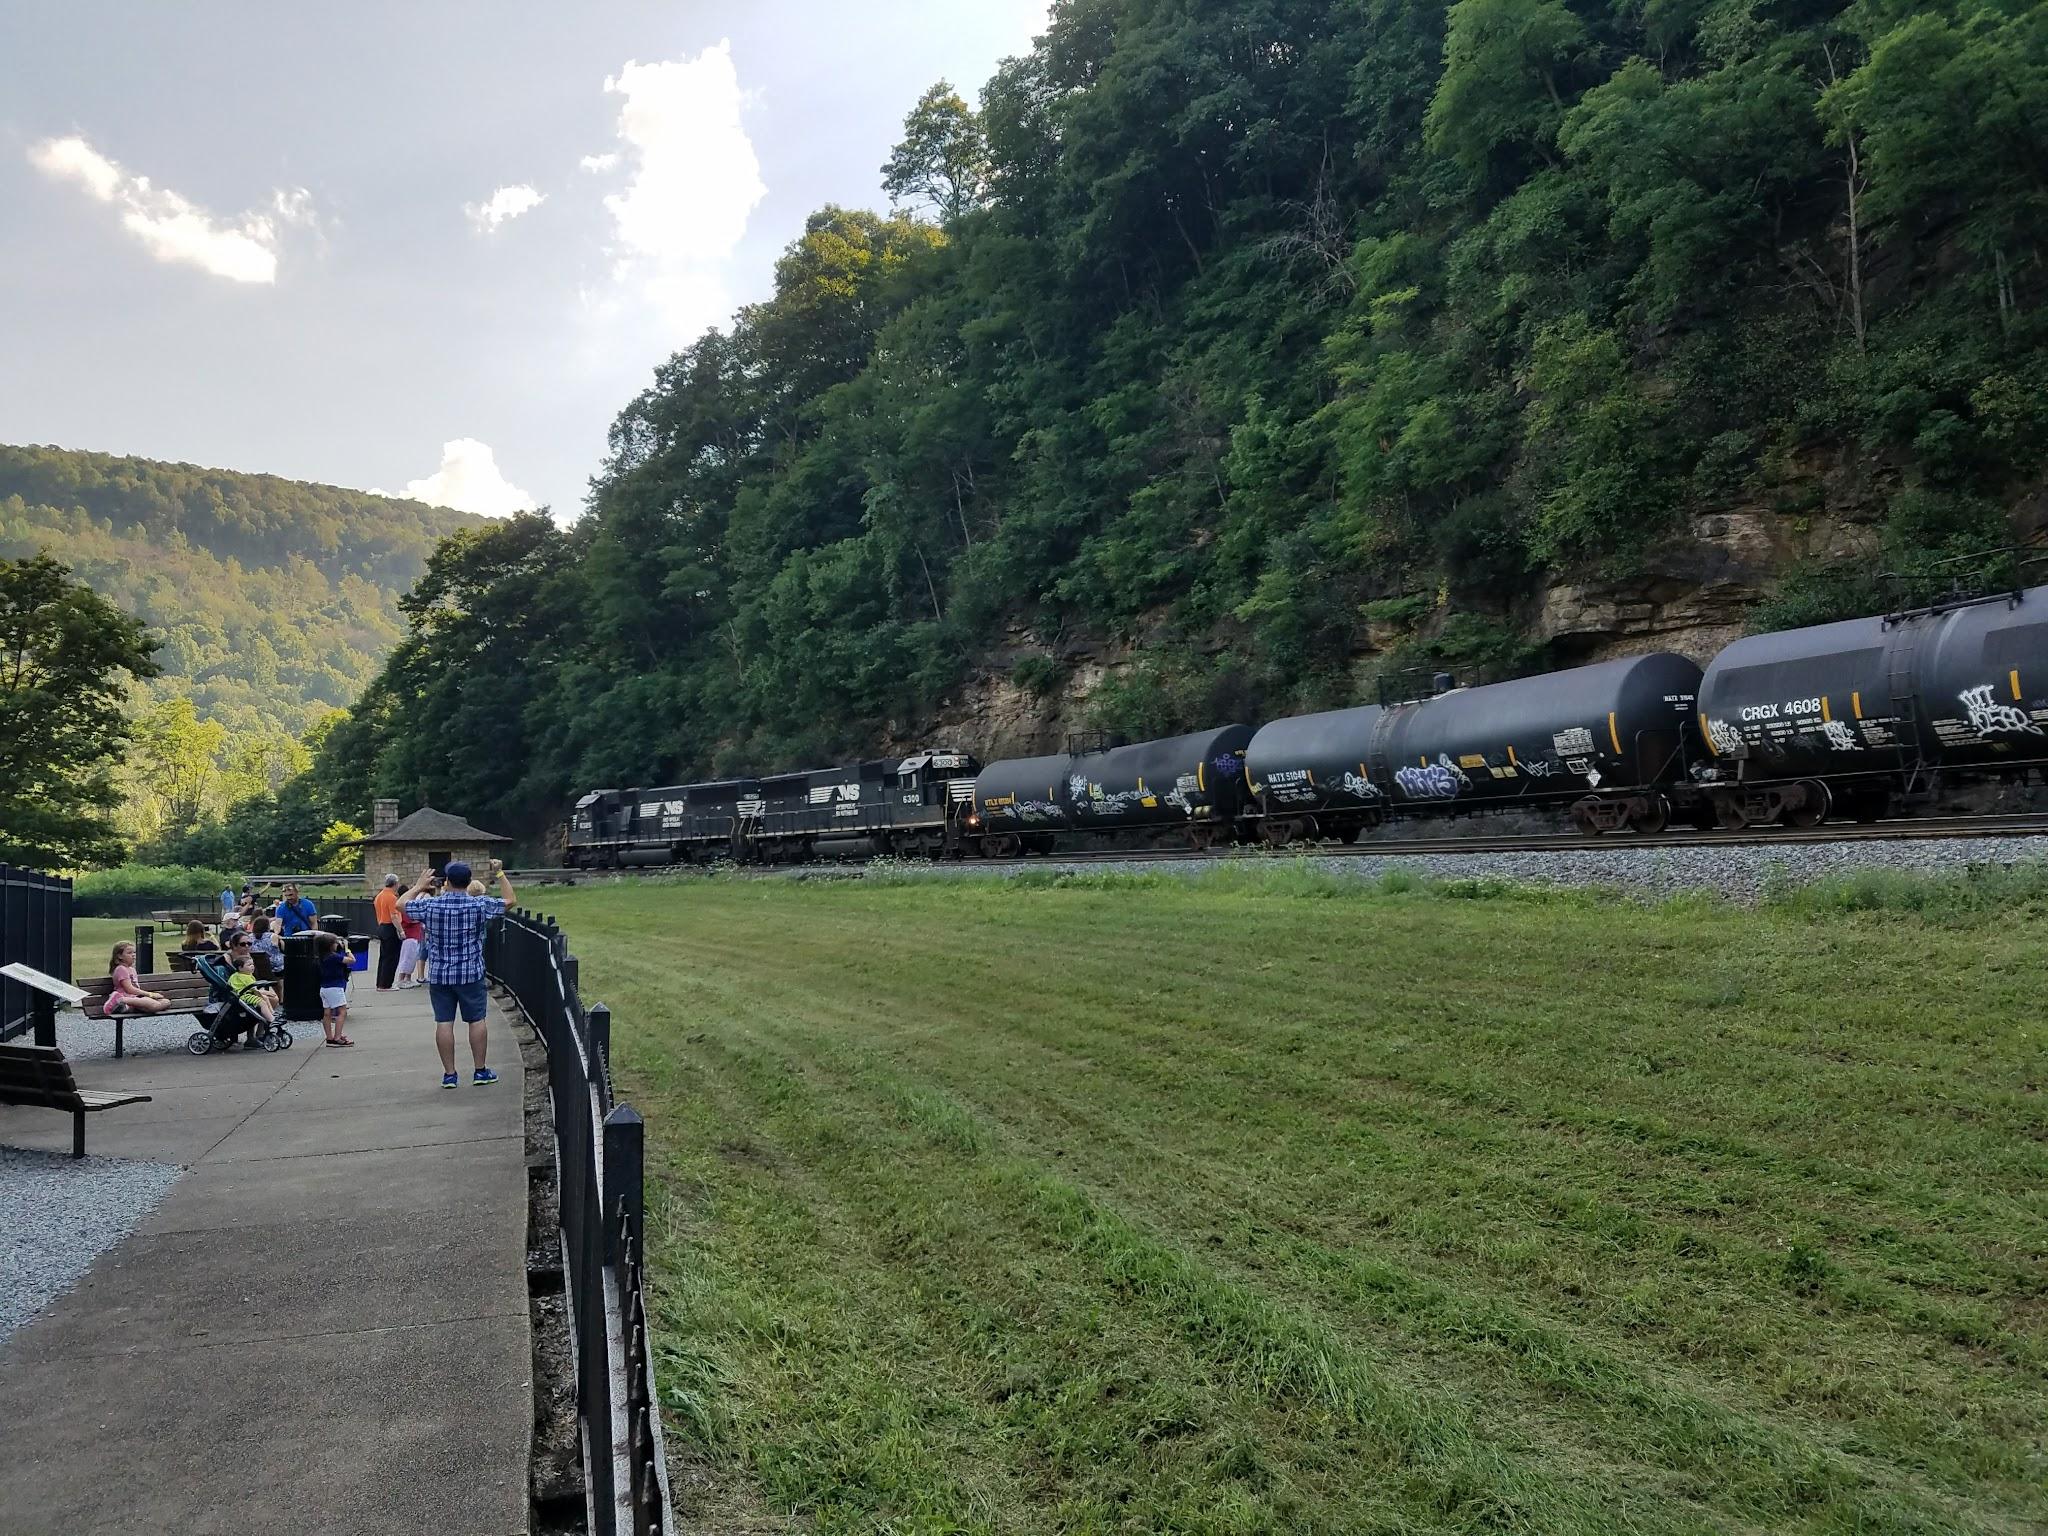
(1038, 675)
(132, 888)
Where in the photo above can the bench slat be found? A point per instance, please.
(89, 1099)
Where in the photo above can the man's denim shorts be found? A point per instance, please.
(471, 996)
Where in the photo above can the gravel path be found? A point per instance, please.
(58, 1214)
(1740, 871)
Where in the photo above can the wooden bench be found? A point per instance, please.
(40, 1077)
(187, 991)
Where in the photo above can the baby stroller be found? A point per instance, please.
(230, 1012)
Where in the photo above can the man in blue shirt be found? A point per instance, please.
(455, 923)
(294, 914)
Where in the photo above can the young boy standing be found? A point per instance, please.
(334, 969)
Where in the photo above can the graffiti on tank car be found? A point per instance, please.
(1440, 780)
(1089, 799)
(1839, 736)
(1229, 764)
(1990, 718)
(1358, 786)
(1723, 737)
(1538, 767)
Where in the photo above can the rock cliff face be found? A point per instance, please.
(1691, 593)
(993, 715)
(1694, 590)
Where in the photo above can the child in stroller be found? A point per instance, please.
(235, 1005)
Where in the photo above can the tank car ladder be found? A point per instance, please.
(1899, 667)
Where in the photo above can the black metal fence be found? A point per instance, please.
(35, 929)
(598, 1152)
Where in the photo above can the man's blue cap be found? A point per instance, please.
(457, 873)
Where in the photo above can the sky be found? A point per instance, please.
(430, 248)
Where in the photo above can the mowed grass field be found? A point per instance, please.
(1245, 1206)
(93, 940)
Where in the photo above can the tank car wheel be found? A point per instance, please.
(1732, 814)
(1004, 845)
(1582, 818)
(1201, 836)
(1653, 818)
(1279, 831)
(1812, 808)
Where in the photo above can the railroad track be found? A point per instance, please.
(1929, 828)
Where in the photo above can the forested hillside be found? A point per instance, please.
(275, 602)
(1266, 344)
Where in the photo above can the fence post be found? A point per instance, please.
(43, 1009)
(598, 1022)
(625, 1195)
(145, 948)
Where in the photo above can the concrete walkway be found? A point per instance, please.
(322, 1328)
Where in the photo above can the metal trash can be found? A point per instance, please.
(334, 922)
(302, 977)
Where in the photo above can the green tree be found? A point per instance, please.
(66, 658)
(1317, 335)
(942, 162)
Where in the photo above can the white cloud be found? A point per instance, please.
(503, 206)
(469, 481)
(597, 165)
(694, 180)
(172, 228)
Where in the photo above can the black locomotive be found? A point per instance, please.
(1856, 718)
(918, 805)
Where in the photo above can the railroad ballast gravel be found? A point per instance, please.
(58, 1214)
(1741, 872)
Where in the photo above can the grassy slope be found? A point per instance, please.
(1233, 1209)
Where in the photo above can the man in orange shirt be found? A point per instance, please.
(387, 933)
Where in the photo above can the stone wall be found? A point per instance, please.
(406, 860)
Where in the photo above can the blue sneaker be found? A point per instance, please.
(482, 1076)
(451, 1079)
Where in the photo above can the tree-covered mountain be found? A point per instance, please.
(1284, 340)
(274, 602)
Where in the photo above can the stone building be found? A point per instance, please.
(426, 839)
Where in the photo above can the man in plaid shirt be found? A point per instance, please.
(455, 922)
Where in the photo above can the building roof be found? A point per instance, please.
(427, 825)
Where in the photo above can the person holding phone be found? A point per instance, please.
(455, 922)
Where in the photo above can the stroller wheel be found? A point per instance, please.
(271, 1043)
(199, 1042)
(284, 1039)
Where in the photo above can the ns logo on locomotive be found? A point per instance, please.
(1855, 718)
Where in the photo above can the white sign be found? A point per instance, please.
(30, 976)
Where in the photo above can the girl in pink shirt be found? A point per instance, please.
(128, 996)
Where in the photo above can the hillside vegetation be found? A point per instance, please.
(275, 603)
(1150, 1205)
(1287, 341)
